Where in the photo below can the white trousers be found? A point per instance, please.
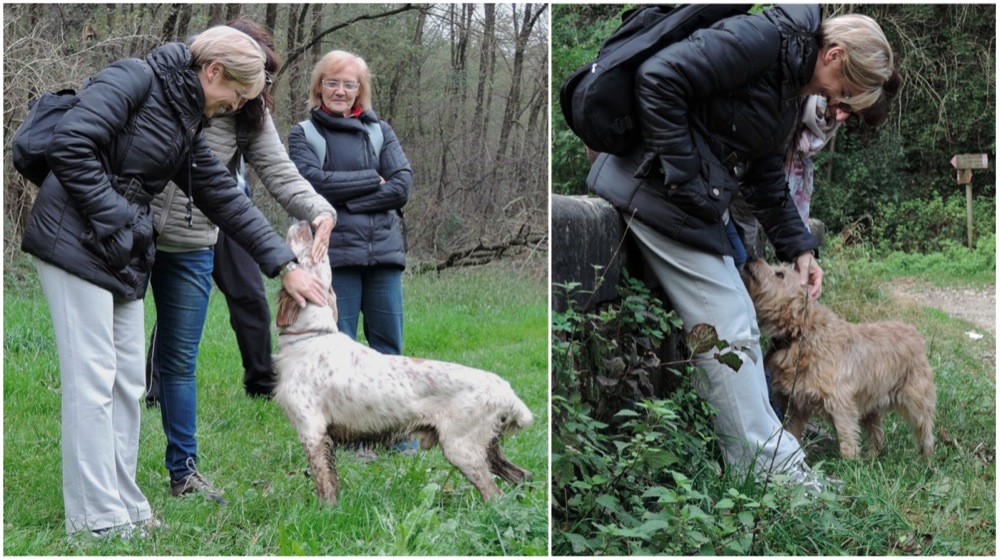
(100, 341)
(705, 288)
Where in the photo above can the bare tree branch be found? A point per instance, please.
(298, 52)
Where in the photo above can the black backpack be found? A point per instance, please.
(597, 100)
(32, 138)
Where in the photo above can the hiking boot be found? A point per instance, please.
(196, 483)
(365, 453)
(124, 531)
(262, 388)
(407, 447)
(812, 481)
(146, 526)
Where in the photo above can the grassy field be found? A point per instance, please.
(492, 317)
(903, 504)
(635, 496)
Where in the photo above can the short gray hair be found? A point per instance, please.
(241, 57)
(868, 62)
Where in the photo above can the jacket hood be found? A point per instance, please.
(171, 63)
(800, 26)
(344, 123)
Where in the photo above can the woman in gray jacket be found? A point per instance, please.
(191, 251)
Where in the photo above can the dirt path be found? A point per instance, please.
(976, 306)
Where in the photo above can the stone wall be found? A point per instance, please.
(587, 232)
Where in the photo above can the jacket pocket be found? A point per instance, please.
(143, 244)
(707, 195)
(115, 250)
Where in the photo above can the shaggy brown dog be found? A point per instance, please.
(849, 374)
(337, 391)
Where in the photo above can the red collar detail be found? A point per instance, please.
(356, 112)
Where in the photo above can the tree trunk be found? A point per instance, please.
(271, 17)
(168, 31)
(418, 41)
(215, 15)
(317, 27)
(523, 33)
(296, 88)
(183, 22)
(486, 53)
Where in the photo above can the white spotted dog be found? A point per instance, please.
(337, 391)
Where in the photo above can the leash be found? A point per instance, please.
(784, 422)
(313, 333)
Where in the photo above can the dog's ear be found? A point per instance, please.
(803, 308)
(332, 298)
(288, 310)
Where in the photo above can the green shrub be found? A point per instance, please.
(637, 474)
(849, 177)
(930, 225)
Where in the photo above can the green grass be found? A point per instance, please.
(492, 317)
(901, 503)
(894, 504)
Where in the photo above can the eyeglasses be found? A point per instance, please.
(842, 106)
(336, 84)
(243, 95)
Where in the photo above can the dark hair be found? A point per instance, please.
(253, 113)
(866, 122)
(871, 117)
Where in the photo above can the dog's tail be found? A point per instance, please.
(520, 418)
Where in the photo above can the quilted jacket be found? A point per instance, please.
(136, 127)
(265, 153)
(370, 229)
(717, 111)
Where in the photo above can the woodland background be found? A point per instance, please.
(893, 187)
(635, 466)
(465, 87)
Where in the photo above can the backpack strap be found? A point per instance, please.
(237, 164)
(242, 141)
(318, 143)
(375, 136)
(315, 139)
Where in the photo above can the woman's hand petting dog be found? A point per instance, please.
(810, 274)
(303, 286)
(323, 224)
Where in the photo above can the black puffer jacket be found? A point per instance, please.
(726, 97)
(369, 230)
(136, 127)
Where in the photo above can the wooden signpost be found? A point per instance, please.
(965, 163)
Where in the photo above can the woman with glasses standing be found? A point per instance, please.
(368, 185)
(137, 126)
(189, 256)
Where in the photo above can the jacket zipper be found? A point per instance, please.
(190, 188)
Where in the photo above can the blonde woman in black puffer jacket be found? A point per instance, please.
(717, 111)
(136, 127)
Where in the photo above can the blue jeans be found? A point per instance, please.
(376, 292)
(739, 251)
(181, 285)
